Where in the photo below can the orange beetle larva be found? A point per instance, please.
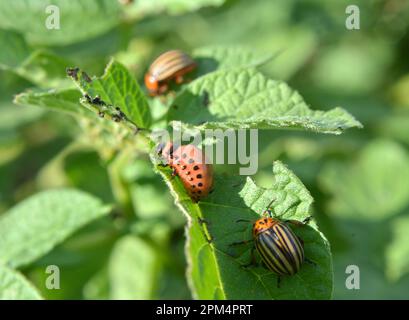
(189, 163)
(171, 65)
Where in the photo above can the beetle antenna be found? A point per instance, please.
(268, 211)
(269, 205)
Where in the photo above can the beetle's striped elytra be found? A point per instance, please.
(189, 164)
(171, 65)
(279, 248)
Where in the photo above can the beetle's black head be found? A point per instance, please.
(166, 149)
(160, 147)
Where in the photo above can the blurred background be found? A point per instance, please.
(359, 180)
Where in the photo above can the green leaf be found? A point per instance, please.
(299, 45)
(65, 100)
(97, 287)
(36, 225)
(149, 195)
(362, 76)
(74, 18)
(227, 57)
(14, 49)
(118, 88)
(13, 286)
(44, 68)
(395, 126)
(133, 269)
(397, 252)
(142, 8)
(244, 98)
(367, 188)
(364, 243)
(213, 271)
(12, 117)
(39, 66)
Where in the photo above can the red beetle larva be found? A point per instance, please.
(188, 163)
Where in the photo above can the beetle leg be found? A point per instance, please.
(209, 240)
(238, 243)
(310, 262)
(163, 88)
(202, 221)
(174, 173)
(278, 281)
(299, 223)
(179, 79)
(253, 261)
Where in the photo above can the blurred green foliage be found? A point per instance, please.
(359, 181)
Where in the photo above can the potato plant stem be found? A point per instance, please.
(119, 188)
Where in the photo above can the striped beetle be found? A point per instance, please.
(171, 65)
(280, 249)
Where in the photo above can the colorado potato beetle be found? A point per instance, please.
(171, 65)
(188, 163)
(280, 249)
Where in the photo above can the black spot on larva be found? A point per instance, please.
(187, 172)
(199, 176)
(184, 155)
(200, 184)
(200, 191)
(190, 179)
(193, 186)
(183, 167)
(265, 220)
(191, 161)
(196, 168)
